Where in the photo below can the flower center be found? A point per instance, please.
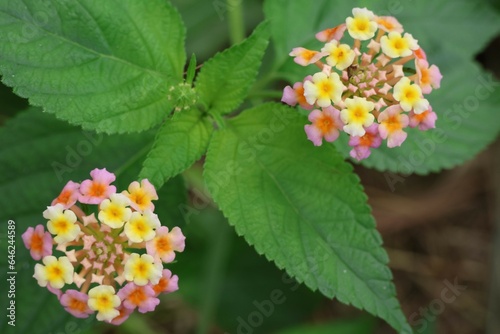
(97, 189)
(325, 124)
(77, 305)
(137, 297)
(36, 242)
(61, 225)
(361, 24)
(163, 244)
(54, 273)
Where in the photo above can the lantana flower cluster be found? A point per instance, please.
(372, 89)
(103, 251)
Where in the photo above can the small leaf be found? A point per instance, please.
(191, 69)
(105, 65)
(38, 155)
(302, 207)
(179, 143)
(224, 81)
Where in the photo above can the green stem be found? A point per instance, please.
(218, 119)
(133, 160)
(236, 24)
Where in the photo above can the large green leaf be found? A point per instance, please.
(105, 65)
(179, 143)
(301, 207)
(38, 155)
(224, 80)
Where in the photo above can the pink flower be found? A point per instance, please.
(424, 121)
(96, 190)
(305, 56)
(68, 196)
(330, 34)
(292, 96)
(143, 297)
(325, 124)
(361, 145)
(428, 77)
(75, 302)
(164, 244)
(167, 283)
(392, 122)
(124, 314)
(38, 242)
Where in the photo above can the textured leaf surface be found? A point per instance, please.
(38, 155)
(105, 65)
(451, 32)
(301, 207)
(179, 143)
(224, 80)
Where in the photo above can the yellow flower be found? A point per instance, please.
(341, 56)
(357, 116)
(114, 211)
(323, 89)
(103, 299)
(61, 223)
(394, 45)
(141, 227)
(141, 195)
(363, 25)
(410, 96)
(142, 269)
(55, 271)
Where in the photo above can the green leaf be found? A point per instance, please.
(104, 65)
(191, 69)
(179, 143)
(38, 155)
(301, 207)
(464, 127)
(224, 81)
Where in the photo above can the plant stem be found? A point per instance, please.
(133, 160)
(218, 119)
(236, 24)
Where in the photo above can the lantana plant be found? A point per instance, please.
(276, 160)
(372, 89)
(103, 251)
